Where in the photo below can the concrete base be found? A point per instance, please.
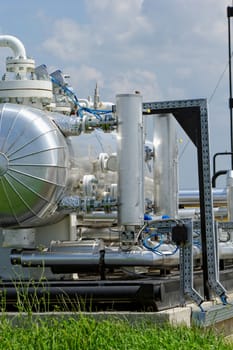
(217, 316)
(176, 316)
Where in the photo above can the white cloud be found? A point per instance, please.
(112, 41)
(84, 78)
(114, 30)
(127, 14)
(69, 41)
(136, 80)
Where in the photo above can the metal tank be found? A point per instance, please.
(39, 166)
(165, 166)
(34, 166)
(131, 162)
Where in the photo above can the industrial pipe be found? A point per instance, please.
(130, 159)
(14, 44)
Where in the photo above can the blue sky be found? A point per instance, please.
(165, 49)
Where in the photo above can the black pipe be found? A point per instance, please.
(220, 172)
(216, 155)
(123, 294)
(216, 175)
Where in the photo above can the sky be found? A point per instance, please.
(168, 50)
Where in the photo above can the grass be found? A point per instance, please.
(88, 334)
(30, 331)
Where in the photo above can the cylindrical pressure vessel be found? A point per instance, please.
(165, 166)
(130, 159)
(34, 166)
(40, 166)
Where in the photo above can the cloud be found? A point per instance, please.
(112, 30)
(136, 80)
(84, 78)
(69, 41)
(105, 46)
(119, 16)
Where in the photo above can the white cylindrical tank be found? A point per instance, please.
(165, 166)
(130, 159)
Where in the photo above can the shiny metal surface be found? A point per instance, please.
(165, 166)
(69, 125)
(89, 255)
(112, 258)
(85, 151)
(191, 197)
(33, 165)
(84, 156)
(130, 159)
(230, 195)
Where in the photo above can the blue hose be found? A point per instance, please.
(155, 248)
(96, 112)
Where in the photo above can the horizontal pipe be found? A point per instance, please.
(69, 126)
(195, 212)
(84, 294)
(187, 198)
(111, 258)
(186, 212)
(225, 250)
(191, 197)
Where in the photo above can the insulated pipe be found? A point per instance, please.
(130, 161)
(191, 197)
(230, 195)
(165, 166)
(14, 44)
(50, 259)
(111, 258)
(69, 126)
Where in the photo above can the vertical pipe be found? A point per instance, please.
(165, 166)
(229, 15)
(130, 159)
(230, 195)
